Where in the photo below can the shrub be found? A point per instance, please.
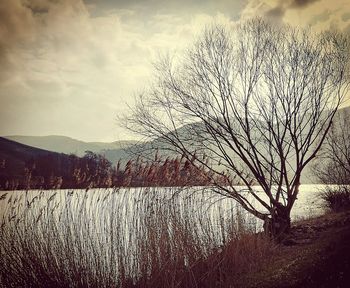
(337, 198)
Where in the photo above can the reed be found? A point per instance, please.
(144, 237)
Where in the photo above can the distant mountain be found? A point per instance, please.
(308, 176)
(121, 150)
(62, 144)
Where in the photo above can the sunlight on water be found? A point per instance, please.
(308, 203)
(122, 226)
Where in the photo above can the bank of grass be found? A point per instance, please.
(316, 254)
(126, 238)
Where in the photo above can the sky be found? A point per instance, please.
(70, 67)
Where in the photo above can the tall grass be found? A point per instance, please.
(146, 237)
(337, 197)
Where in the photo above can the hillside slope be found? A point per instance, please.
(13, 156)
(25, 167)
(67, 145)
(123, 150)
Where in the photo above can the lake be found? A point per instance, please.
(101, 205)
(125, 231)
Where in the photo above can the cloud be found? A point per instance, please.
(16, 28)
(278, 11)
(301, 3)
(315, 13)
(70, 66)
(275, 14)
(73, 65)
(345, 17)
(187, 8)
(275, 9)
(16, 22)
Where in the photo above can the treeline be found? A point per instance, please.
(59, 171)
(53, 170)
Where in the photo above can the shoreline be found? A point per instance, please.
(315, 254)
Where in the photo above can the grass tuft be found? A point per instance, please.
(337, 198)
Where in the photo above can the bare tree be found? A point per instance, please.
(333, 163)
(253, 103)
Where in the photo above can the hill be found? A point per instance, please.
(123, 150)
(113, 151)
(67, 145)
(23, 167)
(187, 132)
(15, 155)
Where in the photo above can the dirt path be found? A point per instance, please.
(316, 254)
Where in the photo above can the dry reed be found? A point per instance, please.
(145, 237)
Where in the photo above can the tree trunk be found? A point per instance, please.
(279, 223)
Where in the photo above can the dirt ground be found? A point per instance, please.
(315, 254)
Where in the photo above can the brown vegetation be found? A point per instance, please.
(315, 255)
(337, 198)
(92, 170)
(125, 238)
(152, 238)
